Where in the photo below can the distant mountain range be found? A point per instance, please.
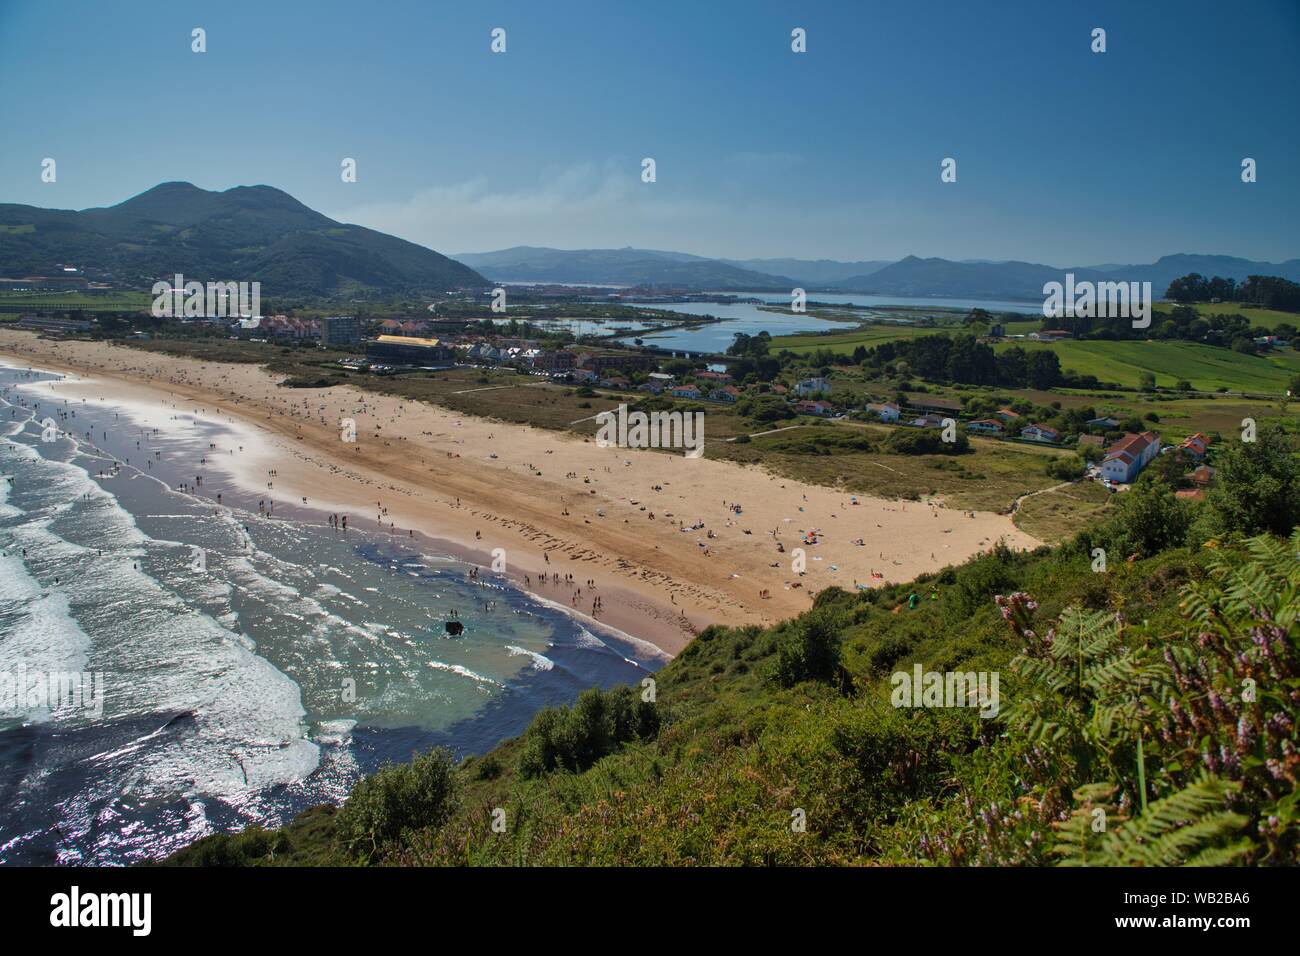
(909, 277)
(812, 272)
(1024, 280)
(258, 233)
(628, 267)
(248, 233)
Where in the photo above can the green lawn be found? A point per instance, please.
(1208, 368)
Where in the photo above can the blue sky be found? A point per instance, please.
(1063, 156)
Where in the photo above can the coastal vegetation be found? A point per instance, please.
(1147, 717)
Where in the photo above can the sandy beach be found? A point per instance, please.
(655, 536)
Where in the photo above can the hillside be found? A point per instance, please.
(248, 233)
(790, 745)
(632, 267)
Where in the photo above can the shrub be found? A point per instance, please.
(812, 652)
(1069, 468)
(398, 798)
(925, 441)
(600, 722)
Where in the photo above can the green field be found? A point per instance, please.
(1208, 368)
(845, 342)
(68, 301)
(1264, 318)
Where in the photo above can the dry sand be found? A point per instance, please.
(475, 485)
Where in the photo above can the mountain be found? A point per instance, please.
(811, 272)
(248, 233)
(914, 276)
(633, 267)
(976, 279)
(1167, 268)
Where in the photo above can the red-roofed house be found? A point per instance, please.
(815, 407)
(1196, 445)
(1041, 433)
(885, 411)
(1129, 455)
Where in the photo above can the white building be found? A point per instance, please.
(1128, 456)
(813, 386)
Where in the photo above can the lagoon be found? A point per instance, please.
(750, 318)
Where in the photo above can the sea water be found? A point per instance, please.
(252, 664)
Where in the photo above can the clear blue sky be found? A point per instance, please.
(1064, 156)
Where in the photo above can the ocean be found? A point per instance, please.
(248, 665)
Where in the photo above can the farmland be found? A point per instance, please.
(1206, 367)
(844, 343)
(1264, 318)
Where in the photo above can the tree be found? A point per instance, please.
(1013, 367)
(1044, 369)
(1271, 292)
(1189, 288)
(1149, 519)
(1257, 485)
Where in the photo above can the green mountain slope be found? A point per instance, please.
(248, 233)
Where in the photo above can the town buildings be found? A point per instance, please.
(340, 330)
